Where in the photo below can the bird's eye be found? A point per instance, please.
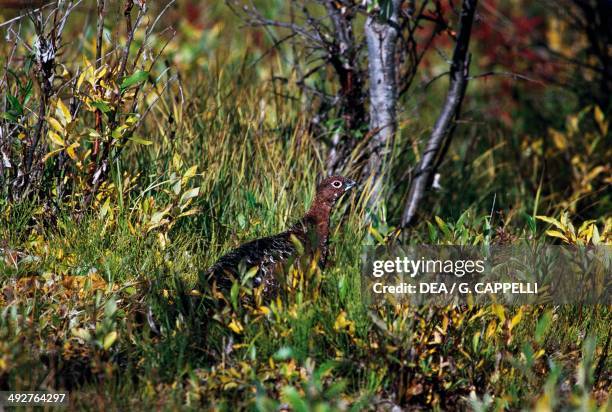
(337, 184)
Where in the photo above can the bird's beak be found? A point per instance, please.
(349, 184)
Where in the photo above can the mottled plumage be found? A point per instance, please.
(270, 254)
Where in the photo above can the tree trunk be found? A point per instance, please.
(381, 38)
(443, 128)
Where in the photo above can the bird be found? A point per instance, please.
(268, 255)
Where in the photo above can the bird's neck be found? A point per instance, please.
(316, 220)
(318, 214)
(313, 229)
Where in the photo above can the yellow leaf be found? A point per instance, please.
(71, 152)
(552, 221)
(558, 139)
(601, 121)
(543, 404)
(596, 171)
(553, 34)
(376, 234)
(571, 124)
(50, 154)
(556, 233)
(132, 120)
(585, 226)
(67, 117)
(516, 319)
(491, 329)
(81, 333)
(564, 219)
(190, 212)
(189, 173)
(56, 125)
(81, 79)
(342, 323)
(235, 326)
(88, 74)
(56, 138)
(500, 312)
(264, 310)
(101, 73)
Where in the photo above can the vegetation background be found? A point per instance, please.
(139, 141)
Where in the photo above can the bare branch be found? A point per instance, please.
(21, 16)
(443, 129)
(100, 32)
(515, 76)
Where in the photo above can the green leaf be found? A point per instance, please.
(110, 308)
(475, 342)
(139, 140)
(379, 238)
(118, 132)
(542, 327)
(433, 233)
(26, 92)
(250, 274)
(293, 398)
(528, 353)
(102, 106)
(109, 339)
(283, 354)
(386, 9)
(531, 223)
(105, 208)
(14, 104)
(234, 295)
(241, 221)
(136, 78)
(9, 116)
(298, 245)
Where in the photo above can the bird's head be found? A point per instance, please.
(331, 188)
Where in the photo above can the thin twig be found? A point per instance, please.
(21, 16)
(515, 76)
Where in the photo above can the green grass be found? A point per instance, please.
(319, 345)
